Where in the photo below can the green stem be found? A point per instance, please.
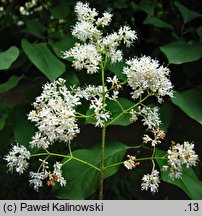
(137, 160)
(70, 157)
(102, 165)
(127, 110)
(85, 162)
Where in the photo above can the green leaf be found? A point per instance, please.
(61, 9)
(199, 32)
(11, 83)
(116, 109)
(189, 182)
(155, 21)
(8, 57)
(181, 52)
(64, 43)
(190, 102)
(42, 57)
(117, 69)
(147, 7)
(166, 114)
(34, 27)
(188, 15)
(83, 180)
(23, 129)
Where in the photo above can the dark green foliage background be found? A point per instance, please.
(30, 55)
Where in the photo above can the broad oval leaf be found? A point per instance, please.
(23, 129)
(116, 108)
(8, 57)
(34, 27)
(166, 115)
(190, 102)
(155, 21)
(188, 15)
(43, 58)
(189, 182)
(12, 82)
(83, 180)
(181, 52)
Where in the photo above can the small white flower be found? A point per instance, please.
(58, 173)
(151, 181)
(134, 115)
(37, 179)
(101, 115)
(105, 20)
(127, 35)
(17, 158)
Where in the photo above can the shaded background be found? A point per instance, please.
(166, 31)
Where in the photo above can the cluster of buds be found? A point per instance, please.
(130, 163)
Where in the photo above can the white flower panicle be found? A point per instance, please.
(57, 174)
(17, 158)
(37, 178)
(146, 74)
(85, 30)
(115, 86)
(104, 20)
(127, 35)
(151, 182)
(84, 12)
(158, 136)
(101, 114)
(180, 156)
(54, 115)
(130, 163)
(150, 116)
(88, 55)
(85, 57)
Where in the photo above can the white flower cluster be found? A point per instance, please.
(158, 136)
(147, 75)
(151, 181)
(17, 158)
(115, 86)
(37, 178)
(85, 56)
(179, 156)
(54, 115)
(89, 54)
(95, 95)
(150, 116)
(130, 163)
